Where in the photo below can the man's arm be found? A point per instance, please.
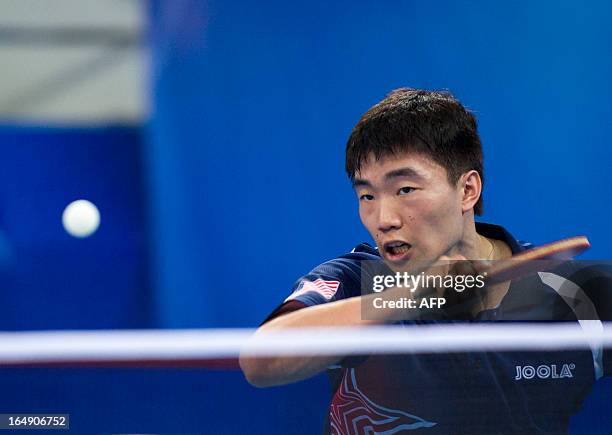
(270, 371)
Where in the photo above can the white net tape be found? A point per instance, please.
(203, 344)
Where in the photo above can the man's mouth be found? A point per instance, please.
(396, 250)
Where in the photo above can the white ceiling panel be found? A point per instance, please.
(72, 61)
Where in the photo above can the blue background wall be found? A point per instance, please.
(51, 280)
(235, 187)
(254, 103)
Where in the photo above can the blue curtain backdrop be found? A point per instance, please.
(254, 101)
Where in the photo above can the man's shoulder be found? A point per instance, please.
(347, 265)
(335, 279)
(362, 252)
(365, 250)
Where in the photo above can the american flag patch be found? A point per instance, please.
(327, 289)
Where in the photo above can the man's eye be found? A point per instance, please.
(405, 190)
(366, 197)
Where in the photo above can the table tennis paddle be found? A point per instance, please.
(535, 260)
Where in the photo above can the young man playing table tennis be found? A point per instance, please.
(416, 164)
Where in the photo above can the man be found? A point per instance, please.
(416, 163)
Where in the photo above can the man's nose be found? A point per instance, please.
(388, 218)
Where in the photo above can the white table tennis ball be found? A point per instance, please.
(81, 218)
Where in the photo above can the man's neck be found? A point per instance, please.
(474, 246)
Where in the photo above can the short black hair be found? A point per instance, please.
(432, 123)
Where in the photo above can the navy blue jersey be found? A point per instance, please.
(487, 392)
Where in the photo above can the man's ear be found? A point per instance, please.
(470, 184)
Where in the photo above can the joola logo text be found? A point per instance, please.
(544, 371)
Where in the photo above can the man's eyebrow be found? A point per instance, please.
(403, 172)
(389, 176)
(358, 182)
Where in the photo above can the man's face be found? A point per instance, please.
(411, 210)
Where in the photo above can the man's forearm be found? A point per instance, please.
(269, 371)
